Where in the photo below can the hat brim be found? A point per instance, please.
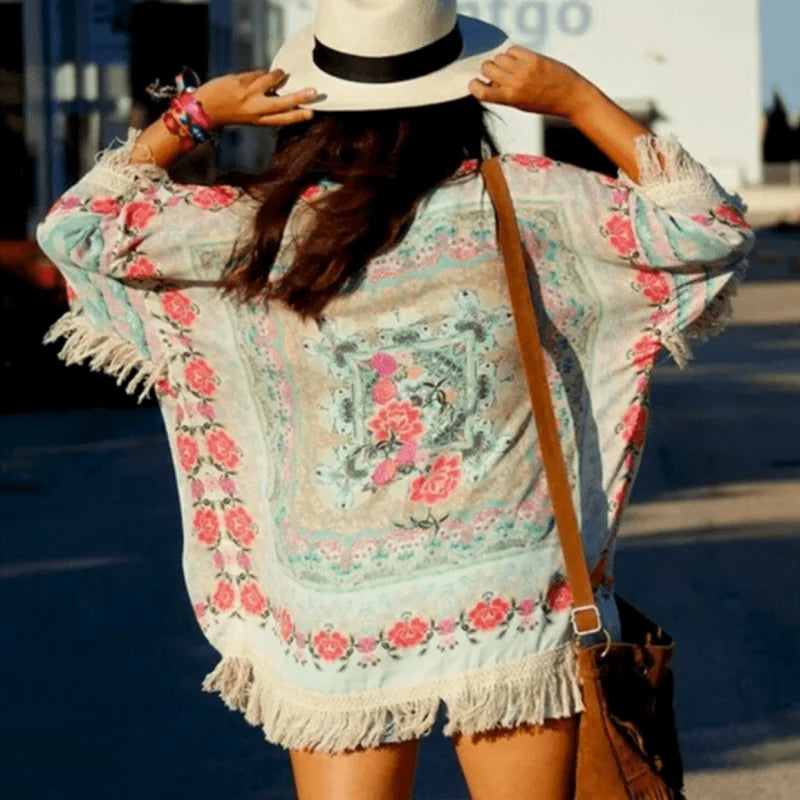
(482, 41)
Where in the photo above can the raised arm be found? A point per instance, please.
(680, 236)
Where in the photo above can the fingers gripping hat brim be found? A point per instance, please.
(481, 41)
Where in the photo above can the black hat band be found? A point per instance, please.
(389, 69)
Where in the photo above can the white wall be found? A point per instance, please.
(700, 62)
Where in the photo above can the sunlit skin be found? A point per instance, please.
(518, 77)
(526, 763)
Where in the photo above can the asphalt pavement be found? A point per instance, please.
(103, 659)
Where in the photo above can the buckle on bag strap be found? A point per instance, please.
(576, 609)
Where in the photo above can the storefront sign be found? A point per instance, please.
(530, 23)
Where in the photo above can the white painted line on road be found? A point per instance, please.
(26, 568)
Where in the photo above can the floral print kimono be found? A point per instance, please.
(366, 523)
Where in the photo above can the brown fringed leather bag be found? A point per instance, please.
(627, 739)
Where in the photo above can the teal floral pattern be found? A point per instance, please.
(363, 505)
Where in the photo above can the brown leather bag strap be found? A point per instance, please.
(511, 248)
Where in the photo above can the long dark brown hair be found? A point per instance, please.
(386, 162)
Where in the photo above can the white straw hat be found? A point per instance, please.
(377, 54)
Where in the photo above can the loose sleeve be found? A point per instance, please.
(678, 236)
(121, 236)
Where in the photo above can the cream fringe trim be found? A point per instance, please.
(115, 172)
(714, 320)
(105, 352)
(526, 690)
(682, 177)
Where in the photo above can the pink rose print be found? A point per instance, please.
(187, 452)
(634, 425)
(251, 598)
(384, 390)
(413, 372)
(330, 645)
(527, 161)
(731, 215)
(527, 606)
(141, 268)
(200, 377)
(439, 483)
(469, 165)
(408, 634)
(163, 387)
(627, 462)
(219, 561)
(206, 526)
(212, 196)
(407, 453)
(620, 234)
(658, 316)
(243, 561)
(312, 192)
(206, 410)
(240, 526)
(486, 616)
(224, 596)
(702, 219)
(619, 198)
(199, 610)
(366, 645)
(397, 416)
(384, 472)
(138, 215)
(104, 205)
(178, 307)
(446, 626)
(286, 624)
(227, 485)
(653, 285)
(384, 364)
(645, 352)
(222, 449)
(197, 490)
(559, 596)
(67, 203)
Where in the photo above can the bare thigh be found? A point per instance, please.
(524, 763)
(384, 772)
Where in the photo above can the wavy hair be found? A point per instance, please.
(385, 163)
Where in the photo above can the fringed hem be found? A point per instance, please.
(715, 319)
(679, 178)
(105, 352)
(527, 690)
(114, 171)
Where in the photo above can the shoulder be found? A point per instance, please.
(530, 167)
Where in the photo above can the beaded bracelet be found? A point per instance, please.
(185, 118)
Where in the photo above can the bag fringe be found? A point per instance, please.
(105, 352)
(527, 691)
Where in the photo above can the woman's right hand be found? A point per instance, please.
(247, 98)
(532, 82)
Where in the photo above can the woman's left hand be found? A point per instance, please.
(248, 98)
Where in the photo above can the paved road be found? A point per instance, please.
(103, 659)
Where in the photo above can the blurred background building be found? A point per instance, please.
(73, 75)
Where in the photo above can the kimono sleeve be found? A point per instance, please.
(679, 236)
(119, 238)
